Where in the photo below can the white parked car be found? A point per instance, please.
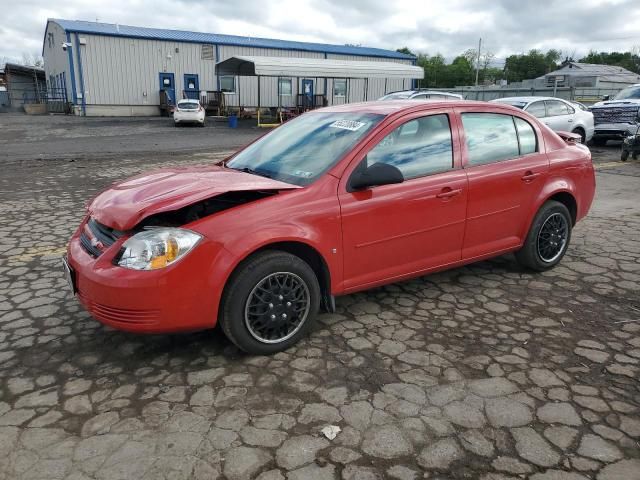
(558, 114)
(189, 111)
(421, 95)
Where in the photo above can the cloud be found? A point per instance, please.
(506, 26)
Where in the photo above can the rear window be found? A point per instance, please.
(490, 137)
(188, 105)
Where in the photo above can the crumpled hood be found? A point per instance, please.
(125, 204)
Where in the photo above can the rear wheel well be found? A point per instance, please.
(314, 259)
(568, 201)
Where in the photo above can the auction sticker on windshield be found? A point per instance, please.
(348, 125)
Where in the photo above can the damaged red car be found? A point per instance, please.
(338, 200)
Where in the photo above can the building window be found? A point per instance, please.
(340, 87)
(285, 86)
(228, 84)
(207, 52)
(50, 39)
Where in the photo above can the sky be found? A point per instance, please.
(449, 28)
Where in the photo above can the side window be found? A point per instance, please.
(417, 148)
(556, 108)
(537, 109)
(526, 137)
(490, 137)
(422, 96)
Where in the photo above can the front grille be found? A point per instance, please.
(619, 114)
(119, 316)
(99, 237)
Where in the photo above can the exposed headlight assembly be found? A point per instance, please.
(157, 248)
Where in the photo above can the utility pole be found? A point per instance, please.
(478, 61)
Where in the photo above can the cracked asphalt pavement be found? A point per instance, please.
(486, 371)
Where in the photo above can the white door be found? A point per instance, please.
(559, 116)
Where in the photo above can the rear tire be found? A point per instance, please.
(624, 155)
(548, 237)
(269, 303)
(583, 135)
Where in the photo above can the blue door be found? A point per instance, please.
(191, 86)
(307, 90)
(168, 85)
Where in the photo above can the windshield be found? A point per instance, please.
(302, 149)
(629, 92)
(188, 105)
(396, 96)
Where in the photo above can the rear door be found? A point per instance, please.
(394, 230)
(506, 170)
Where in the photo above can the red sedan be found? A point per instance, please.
(337, 200)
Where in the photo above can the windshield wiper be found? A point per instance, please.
(252, 172)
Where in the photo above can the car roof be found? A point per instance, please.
(526, 99)
(387, 107)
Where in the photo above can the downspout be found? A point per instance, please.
(413, 80)
(72, 70)
(325, 82)
(216, 61)
(79, 55)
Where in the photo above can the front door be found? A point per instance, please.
(506, 171)
(191, 86)
(307, 90)
(559, 116)
(167, 84)
(397, 230)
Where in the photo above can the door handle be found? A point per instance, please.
(529, 176)
(570, 120)
(448, 192)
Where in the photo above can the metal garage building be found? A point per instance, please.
(110, 69)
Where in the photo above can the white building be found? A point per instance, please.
(110, 69)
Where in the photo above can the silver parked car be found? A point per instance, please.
(558, 114)
(421, 95)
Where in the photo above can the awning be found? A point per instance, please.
(315, 67)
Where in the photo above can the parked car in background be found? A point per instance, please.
(618, 117)
(335, 201)
(189, 111)
(421, 94)
(558, 114)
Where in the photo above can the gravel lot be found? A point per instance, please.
(485, 371)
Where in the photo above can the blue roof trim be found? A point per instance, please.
(110, 29)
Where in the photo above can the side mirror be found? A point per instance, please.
(375, 175)
(606, 97)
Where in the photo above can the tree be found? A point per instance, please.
(406, 51)
(32, 60)
(629, 60)
(530, 65)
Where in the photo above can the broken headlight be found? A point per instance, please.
(157, 248)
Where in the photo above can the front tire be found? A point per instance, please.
(269, 303)
(548, 237)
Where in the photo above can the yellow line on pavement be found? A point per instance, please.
(599, 166)
(37, 252)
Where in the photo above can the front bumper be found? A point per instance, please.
(614, 130)
(181, 297)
